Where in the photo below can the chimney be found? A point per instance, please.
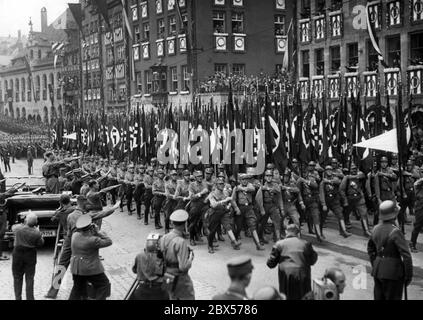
(43, 19)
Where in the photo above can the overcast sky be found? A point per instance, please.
(15, 14)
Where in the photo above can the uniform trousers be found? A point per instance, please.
(357, 205)
(138, 196)
(23, 264)
(150, 291)
(148, 196)
(129, 196)
(312, 210)
(168, 208)
(291, 212)
(158, 202)
(100, 283)
(271, 211)
(404, 204)
(247, 217)
(388, 289)
(113, 193)
(418, 226)
(196, 212)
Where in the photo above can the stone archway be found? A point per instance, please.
(18, 113)
(23, 115)
(38, 118)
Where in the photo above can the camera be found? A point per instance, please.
(324, 289)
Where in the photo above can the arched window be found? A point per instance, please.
(11, 85)
(45, 115)
(29, 85)
(44, 87)
(5, 86)
(37, 87)
(23, 92)
(18, 113)
(23, 115)
(51, 79)
(39, 54)
(17, 90)
(31, 54)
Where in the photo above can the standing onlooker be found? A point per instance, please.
(27, 239)
(295, 258)
(6, 160)
(392, 265)
(240, 270)
(85, 262)
(29, 159)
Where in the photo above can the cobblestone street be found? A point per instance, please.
(209, 271)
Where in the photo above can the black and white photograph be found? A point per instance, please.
(212, 150)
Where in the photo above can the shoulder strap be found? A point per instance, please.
(387, 239)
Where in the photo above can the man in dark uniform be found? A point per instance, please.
(309, 191)
(171, 199)
(220, 214)
(85, 263)
(240, 270)
(130, 186)
(182, 190)
(159, 196)
(121, 172)
(139, 189)
(198, 191)
(270, 204)
(51, 172)
(418, 213)
(178, 258)
(112, 180)
(330, 198)
(148, 193)
(392, 266)
(29, 159)
(370, 194)
(407, 200)
(295, 258)
(385, 182)
(242, 202)
(352, 195)
(290, 194)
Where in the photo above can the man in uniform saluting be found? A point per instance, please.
(130, 186)
(51, 172)
(240, 270)
(178, 258)
(384, 184)
(159, 196)
(171, 199)
(392, 265)
(139, 188)
(113, 180)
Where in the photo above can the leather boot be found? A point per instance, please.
(259, 247)
(343, 230)
(366, 228)
(318, 234)
(235, 244)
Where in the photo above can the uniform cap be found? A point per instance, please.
(353, 166)
(198, 173)
(186, 173)
(409, 163)
(142, 166)
(328, 168)
(287, 172)
(334, 160)
(268, 173)
(179, 216)
(251, 172)
(154, 160)
(243, 176)
(240, 266)
(388, 210)
(395, 156)
(221, 175)
(173, 173)
(384, 159)
(294, 160)
(209, 170)
(220, 180)
(160, 171)
(270, 166)
(150, 169)
(83, 221)
(312, 164)
(221, 166)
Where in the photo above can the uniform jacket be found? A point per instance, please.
(385, 184)
(295, 256)
(85, 260)
(351, 187)
(277, 197)
(329, 190)
(389, 253)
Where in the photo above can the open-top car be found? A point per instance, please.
(43, 205)
(31, 183)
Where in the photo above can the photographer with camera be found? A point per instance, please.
(85, 263)
(178, 259)
(330, 287)
(149, 267)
